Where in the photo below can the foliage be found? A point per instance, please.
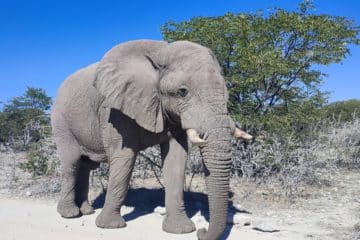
(37, 161)
(41, 159)
(283, 123)
(25, 117)
(269, 59)
(342, 111)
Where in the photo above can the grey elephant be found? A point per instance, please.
(140, 94)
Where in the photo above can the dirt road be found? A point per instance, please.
(35, 219)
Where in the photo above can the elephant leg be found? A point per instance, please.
(69, 155)
(82, 185)
(174, 155)
(121, 166)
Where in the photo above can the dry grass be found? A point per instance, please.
(295, 163)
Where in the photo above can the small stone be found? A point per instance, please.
(198, 218)
(269, 213)
(160, 210)
(28, 193)
(126, 210)
(238, 208)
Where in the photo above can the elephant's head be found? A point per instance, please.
(154, 82)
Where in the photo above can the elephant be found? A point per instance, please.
(143, 93)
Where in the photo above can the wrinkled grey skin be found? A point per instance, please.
(130, 100)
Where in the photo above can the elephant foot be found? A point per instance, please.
(68, 210)
(178, 224)
(112, 220)
(86, 208)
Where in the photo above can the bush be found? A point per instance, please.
(283, 121)
(25, 119)
(294, 162)
(340, 143)
(343, 111)
(41, 159)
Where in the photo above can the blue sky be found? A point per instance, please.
(42, 42)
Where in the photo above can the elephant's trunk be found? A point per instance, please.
(216, 154)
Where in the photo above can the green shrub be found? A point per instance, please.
(25, 119)
(343, 111)
(294, 120)
(41, 159)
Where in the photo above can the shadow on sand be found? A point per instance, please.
(145, 200)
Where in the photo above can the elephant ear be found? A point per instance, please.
(131, 86)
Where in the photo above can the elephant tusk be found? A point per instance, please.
(241, 134)
(194, 137)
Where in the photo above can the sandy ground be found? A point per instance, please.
(37, 219)
(34, 219)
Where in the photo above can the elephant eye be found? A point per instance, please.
(182, 92)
